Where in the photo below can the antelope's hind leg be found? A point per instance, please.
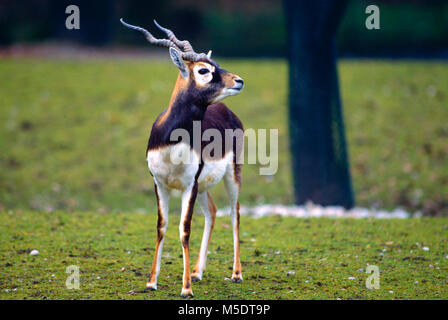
(163, 198)
(209, 210)
(232, 181)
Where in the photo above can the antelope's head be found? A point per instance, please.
(200, 76)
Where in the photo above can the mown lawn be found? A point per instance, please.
(283, 258)
(73, 134)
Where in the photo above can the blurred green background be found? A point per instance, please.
(74, 132)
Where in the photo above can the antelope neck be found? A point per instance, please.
(183, 111)
(180, 115)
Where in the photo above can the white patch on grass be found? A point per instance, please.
(311, 210)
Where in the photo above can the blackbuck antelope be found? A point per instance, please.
(201, 83)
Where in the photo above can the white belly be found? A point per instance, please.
(167, 167)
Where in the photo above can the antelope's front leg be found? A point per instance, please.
(188, 199)
(163, 198)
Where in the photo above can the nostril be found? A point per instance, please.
(239, 81)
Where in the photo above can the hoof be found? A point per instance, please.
(151, 287)
(186, 293)
(196, 277)
(238, 279)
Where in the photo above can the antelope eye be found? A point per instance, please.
(203, 71)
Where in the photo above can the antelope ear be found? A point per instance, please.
(178, 62)
(209, 54)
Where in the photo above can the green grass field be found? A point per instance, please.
(74, 185)
(283, 258)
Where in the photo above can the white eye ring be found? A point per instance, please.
(203, 74)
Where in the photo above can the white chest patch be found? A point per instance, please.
(168, 170)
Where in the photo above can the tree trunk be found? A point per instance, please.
(317, 139)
